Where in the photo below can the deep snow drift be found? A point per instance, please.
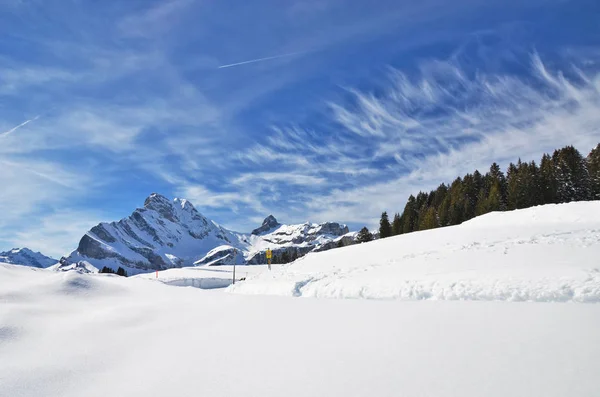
(545, 253)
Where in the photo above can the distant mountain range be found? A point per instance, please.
(172, 233)
(26, 257)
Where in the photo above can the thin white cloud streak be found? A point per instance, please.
(3, 134)
(262, 59)
(55, 234)
(279, 177)
(155, 20)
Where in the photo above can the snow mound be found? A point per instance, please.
(543, 254)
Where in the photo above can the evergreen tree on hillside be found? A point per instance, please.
(498, 178)
(572, 175)
(493, 202)
(385, 229)
(397, 225)
(565, 176)
(593, 162)
(410, 215)
(444, 211)
(430, 220)
(548, 182)
(364, 236)
(514, 186)
(121, 272)
(457, 203)
(438, 197)
(534, 185)
(470, 189)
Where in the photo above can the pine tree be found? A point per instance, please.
(593, 163)
(548, 182)
(385, 229)
(470, 190)
(285, 257)
(457, 206)
(444, 211)
(410, 215)
(572, 175)
(364, 236)
(430, 220)
(396, 225)
(496, 176)
(535, 185)
(121, 272)
(512, 176)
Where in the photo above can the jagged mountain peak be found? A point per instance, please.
(175, 210)
(164, 233)
(26, 257)
(268, 224)
(168, 233)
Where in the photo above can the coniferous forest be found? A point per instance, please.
(561, 178)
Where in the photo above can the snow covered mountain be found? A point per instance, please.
(26, 257)
(166, 234)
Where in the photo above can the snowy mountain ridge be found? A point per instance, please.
(26, 257)
(167, 234)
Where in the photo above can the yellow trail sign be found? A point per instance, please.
(269, 253)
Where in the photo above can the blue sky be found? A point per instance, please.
(105, 102)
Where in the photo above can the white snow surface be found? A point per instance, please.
(95, 335)
(545, 253)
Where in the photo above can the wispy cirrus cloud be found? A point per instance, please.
(132, 102)
(428, 129)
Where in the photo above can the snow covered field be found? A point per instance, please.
(71, 334)
(66, 334)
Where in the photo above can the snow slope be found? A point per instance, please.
(26, 257)
(70, 335)
(545, 253)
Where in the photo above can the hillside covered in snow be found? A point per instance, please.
(544, 253)
(170, 234)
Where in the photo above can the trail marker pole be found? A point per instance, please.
(269, 254)
(156, 273)
(234, 255)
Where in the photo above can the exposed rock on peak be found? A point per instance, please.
(268, 224)
(172, 233)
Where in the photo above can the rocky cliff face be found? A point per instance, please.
(161, 235)
(172, 233)
(26, 257)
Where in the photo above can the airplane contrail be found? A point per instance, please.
(5, 133)
(261, 59)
